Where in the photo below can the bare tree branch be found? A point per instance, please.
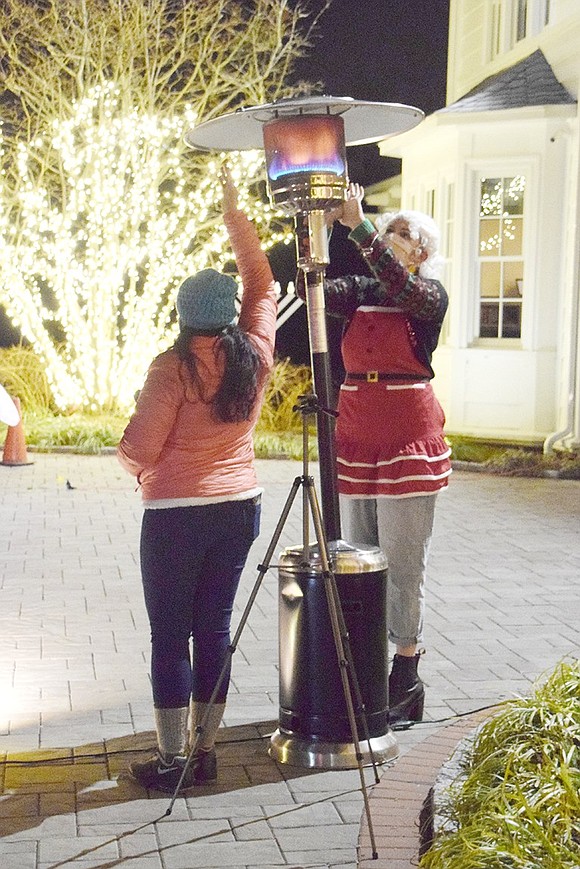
(103, 210)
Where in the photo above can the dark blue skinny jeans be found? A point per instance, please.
(191, 562)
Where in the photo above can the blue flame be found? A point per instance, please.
(279, 167)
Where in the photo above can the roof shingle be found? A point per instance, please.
(531, 82)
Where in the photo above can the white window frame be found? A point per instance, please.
(431, 202)
(538, 16)
(502, 23)
(446, 225)
(495, 28)
(515, 22)
(528, 167)
(438, 199)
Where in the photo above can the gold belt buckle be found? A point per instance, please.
(372, 376)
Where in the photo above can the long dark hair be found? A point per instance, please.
(237, 392)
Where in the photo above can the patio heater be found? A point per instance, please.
(305, 142)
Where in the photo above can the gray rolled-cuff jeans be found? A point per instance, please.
(402, 528)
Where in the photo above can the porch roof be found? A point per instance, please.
(531, 82)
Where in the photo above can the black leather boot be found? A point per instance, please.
(406, 691)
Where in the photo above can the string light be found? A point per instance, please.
(90, 273)
(499, 202)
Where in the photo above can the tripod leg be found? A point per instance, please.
(360, 704)
(334, 608)
(262, 569)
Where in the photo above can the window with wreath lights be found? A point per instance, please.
(500, 256)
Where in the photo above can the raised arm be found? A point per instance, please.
(422, 298)
(259, 305)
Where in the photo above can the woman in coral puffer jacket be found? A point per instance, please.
(190, 445)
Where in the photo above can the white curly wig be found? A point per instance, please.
(424, 230)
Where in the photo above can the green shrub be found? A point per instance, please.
(85, 433)
(278, 433)
(510, 461)
(275, 445)
(471, 450)
(517, 803)
(286, 384)
(23, 376)
(527, 463)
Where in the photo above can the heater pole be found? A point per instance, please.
(324, 423)
(312, 249)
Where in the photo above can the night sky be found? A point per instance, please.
(378, 50)
(384, 51)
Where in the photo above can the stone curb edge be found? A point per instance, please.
(456, 464)
(401, 803)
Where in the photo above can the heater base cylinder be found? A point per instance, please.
(314, 726)
(312, 753)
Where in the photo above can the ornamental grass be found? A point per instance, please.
(277, 435)
(516, 803)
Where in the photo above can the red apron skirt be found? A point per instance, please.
(389, 440)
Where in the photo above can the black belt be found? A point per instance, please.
(375, 376)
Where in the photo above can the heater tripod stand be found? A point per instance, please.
(308, 406)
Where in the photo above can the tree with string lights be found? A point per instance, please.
(103, 209)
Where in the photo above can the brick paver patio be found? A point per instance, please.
(75, 707)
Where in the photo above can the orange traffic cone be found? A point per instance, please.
(15, 444)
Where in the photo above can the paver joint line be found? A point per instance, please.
(502, 609)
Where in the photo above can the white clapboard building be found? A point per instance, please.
(499, 169)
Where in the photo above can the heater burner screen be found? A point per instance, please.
(305, 144)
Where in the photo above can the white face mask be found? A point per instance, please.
(405, 250)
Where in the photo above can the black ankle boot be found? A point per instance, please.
(406, 691)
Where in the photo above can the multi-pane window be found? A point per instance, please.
(510, 21)
(521, 19)
(447, 227)
(449, 220)
(495, 29)
(501, 263)
(546, 11)
(430, 202)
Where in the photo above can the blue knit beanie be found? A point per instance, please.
(206, 300)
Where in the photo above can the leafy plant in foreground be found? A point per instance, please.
(517, 802)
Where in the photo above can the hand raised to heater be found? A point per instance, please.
(350, 212)
(229, 190)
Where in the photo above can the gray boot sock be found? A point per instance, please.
(171, 725)
(213, 716)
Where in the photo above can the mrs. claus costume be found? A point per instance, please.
(392, 457)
